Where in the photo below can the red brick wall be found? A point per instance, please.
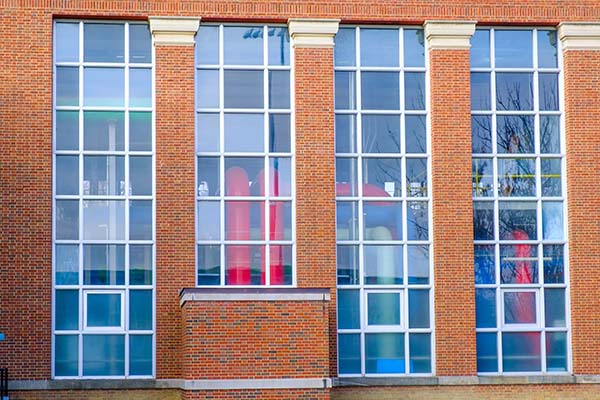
(168, 394)
(452, 211)
(279, 394)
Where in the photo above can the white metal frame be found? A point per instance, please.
(83, 288)
(496, 200)
(108, 328)
(403, 199)
(266, 155)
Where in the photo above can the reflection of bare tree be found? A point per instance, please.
(548, 91)
(415, 91)
(516, 93)
(515, 134)
(481, 127)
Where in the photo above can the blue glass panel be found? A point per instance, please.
(140, 176)
(140, 220)
(485, 306)
(67, 264)
(345, 133)
(483, 172)
(67, 42)
(554, 264)
(417, 220)
(67, 219)
(348, 309)
(104, 87)
(550, 134)
(416, 177)
(415, 133)
(520, 308)
(381, 134)
(518, 263)
(383, 265)
(554, 306)
(547, 49)
(209, 265)
(244, 132)
(243, 89)
(67, 130)
(379, 47)
(383, 309)
(207, 88)
(521, 352)
(103, 264)
(67, 86)
(104, 43)
(418, 308)
(279, 89)
(104, 175)
(105, 130)
(67, 310)
(140, 87)
(140, 264)
(345, 47)
(349, 354)
(140, 309)
(207, 45)
(382, 177)
(67, 175)
(552, 220)
(103, 355)
(345, 90)
(382, 220)
(414, 48)
(66, 354)
(481, 133)
(514, 91)
(515, 134)
(384, 353)
(280, 176)
(418, 264)
(548, 88)
(279, 133)
(518, 220)
(347, 220)
(347, 265)
(207, 132)
(487, 352)
(551, 176)
(420, 353)
(140, 355)
(480, 49)
(414, 90)
(140, 43)
(513, 48)
(103, 310)
(209, 220)
(380, 90)
(480, 91)
(279, 46)
(103, 220)
(243, 45)
(516, 177)
(209, 176)
(556, 351)
(484, 264)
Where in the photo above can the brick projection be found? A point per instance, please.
(175, 224)
(582, 117)
(452, 211)
(170, 394)
(291, 394)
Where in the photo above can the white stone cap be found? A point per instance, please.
(451, 35)
(312, 32)
(579, 35)
(174, 31)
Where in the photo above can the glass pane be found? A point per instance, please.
(417, 220)
(244, 265)
(105, 130)
(480, 49)
(103, 355)
(244, 132)
(348, 309)
(140, 264)
(414, 48)
(418, 264)
(104, 175)
(280, 268)
(480, 91)
(140, 44)
(547, 49)
(280, 213)
(66, 355)
(140, 355)
(513, 48)
(483, 172)
(209, 220)
(67, 219)
(209, 265)
(380, 90)
(487, 352)
(484, 264)
(381, 134)
(548, 87)
(481, 133)
(346, 172)
(140, 176)
(67, 310)
(345, 90)
(244, 176)
(279, 46)
(66, 261)
(104, 43)
(518, 264)
(67, 43)
(518, 220)
(483, 220)
(103, 220)
(516, 177)
(104, 87)
(207, 132)
(207, 45)
(416, 177)
(244, 220)
(207, 88)
(414, 90)
(140, 131)
(382, 177)
(140, 309)
(208, 176)
(279, 133)
(384, 353)
(383, 309)
(554, 264)
(383, 265)
(550, 134)
(418, 309)
(67, 130)
(521, 352)
(67, 175)
(243, 45)
(552, 220)
(520, 308)
(382, 220)
(346, 220)
(556, 351)
(514, 91)
(347, 265)
(420, 352)
(140, 87)
(243, 89)
(67, 86)
(551, 179)
(515, 134)
(345, 47)
(379, 47)
(349, 354)
(140, 220)
(554, 306)
(279, 89)
(415, 133)
(103, 264)
(104, 310)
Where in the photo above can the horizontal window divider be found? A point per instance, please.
(487, 330)
(140, 332)
(510, 328)
(355, 330)
(401, 286)
(255, 242)
(254, 67)
(557, 156)
(245, 198)
(245, 110)
(384, 329)
(347, 111)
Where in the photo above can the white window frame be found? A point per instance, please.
(385, 328)
(108, 328)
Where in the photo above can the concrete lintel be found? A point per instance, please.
(174, 31)
(246, 384)
(579, 35)
(307, 32)
(466, 380)
(449, 35)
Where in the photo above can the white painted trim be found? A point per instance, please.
(174, 31)
(306, 32)
(449, 35)
(254, 297)
(579, 35)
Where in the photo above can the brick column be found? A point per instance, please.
(581, 63)
(452, 206)
(312, 42)
(175, 225)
